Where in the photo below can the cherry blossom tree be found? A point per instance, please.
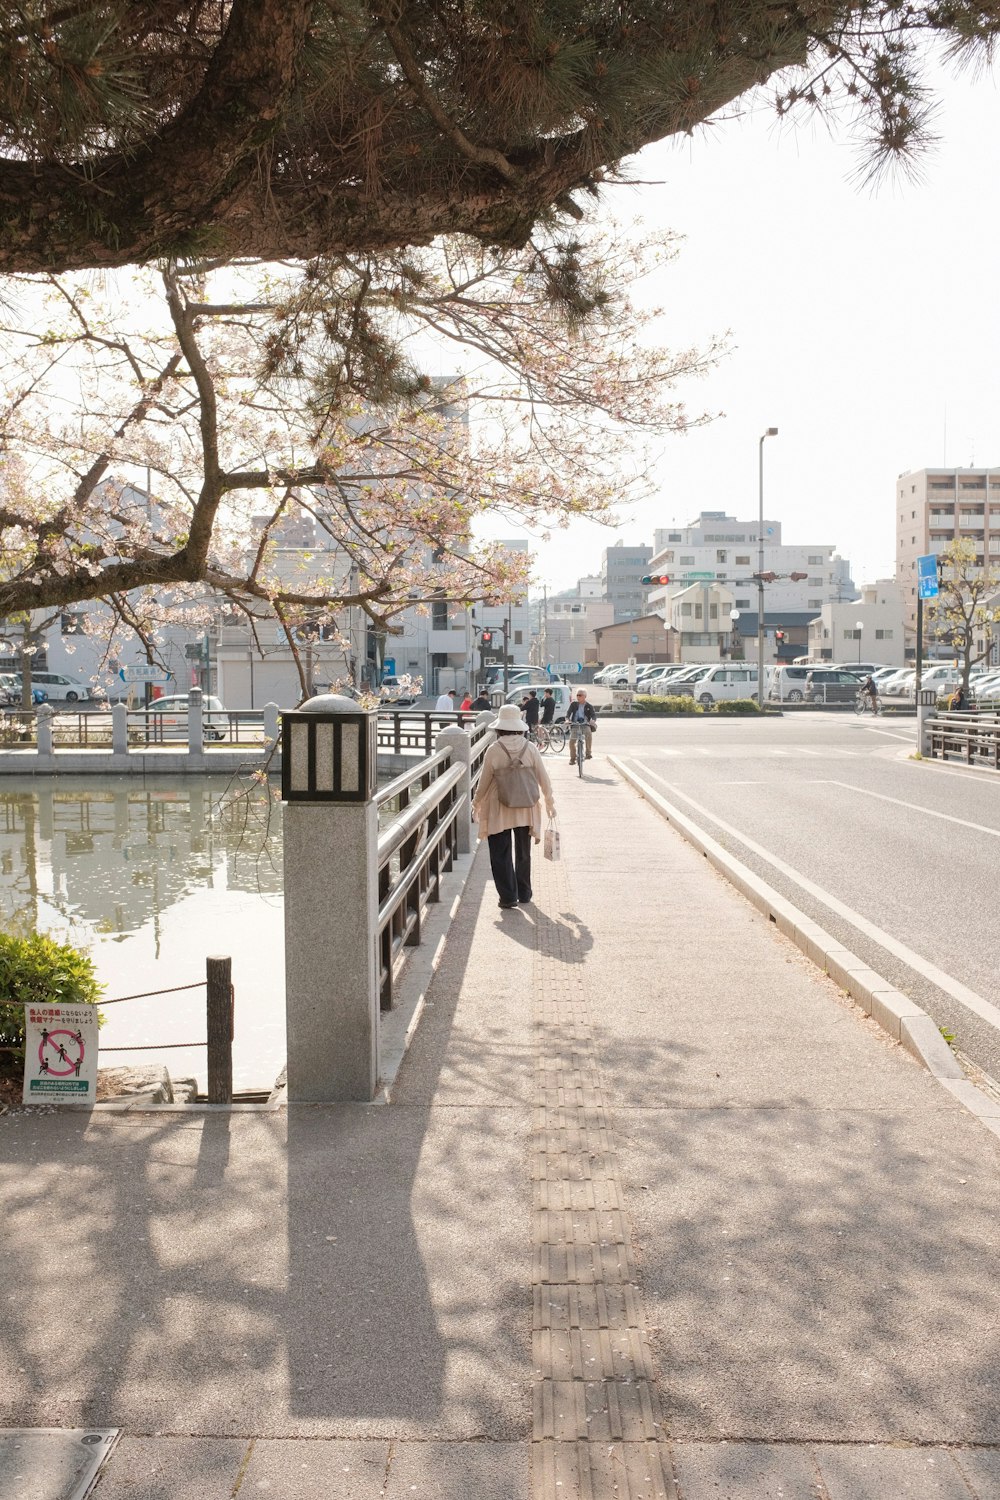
(267, 440)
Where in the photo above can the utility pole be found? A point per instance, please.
(771, 432)
(506, 662)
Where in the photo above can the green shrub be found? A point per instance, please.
(682, 704)
(35, 970)
(737, 706)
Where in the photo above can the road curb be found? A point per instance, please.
(904, 1020)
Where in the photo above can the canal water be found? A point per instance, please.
(150, 879)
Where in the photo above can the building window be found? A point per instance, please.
(686, 559)
(685, 609)
(814, 604)
(815, 583)
(71, 623)
(439, 614)
(518, 637)
(815, 562)
(883, 635)
(852, 635)
(720, 555)
(745, 603)
(697, 611)
(713, 611)
(743, 562)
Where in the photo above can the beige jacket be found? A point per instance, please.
(490, 813)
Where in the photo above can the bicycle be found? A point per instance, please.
(867, 703)
(578, 737)
(548, 738)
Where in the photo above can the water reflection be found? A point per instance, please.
(150, 879)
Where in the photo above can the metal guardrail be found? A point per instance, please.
(970, 735)
(400, 730)
(18, 729)
(419, 845)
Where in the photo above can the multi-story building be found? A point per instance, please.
(566, 629)
(622, 570)
(718, 549)
(937, 506)
(871, 628)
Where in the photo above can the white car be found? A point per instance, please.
(57, 687)
(167, 719)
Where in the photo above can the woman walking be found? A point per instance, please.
(508, 805)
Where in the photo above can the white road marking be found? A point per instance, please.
(929, 812)
(920, 965)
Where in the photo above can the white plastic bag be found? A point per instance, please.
(550, 842)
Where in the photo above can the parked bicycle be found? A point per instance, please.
(550, 738)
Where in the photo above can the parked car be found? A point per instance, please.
(613, 669)
(683, 681)
(788, 684)
(167, 719)
(392, 690)
(56, 686)
(656, 682)
(10, 692)
(831, 685)
(562, 692)
(726, 681)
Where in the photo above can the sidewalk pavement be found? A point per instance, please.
(654, 1212)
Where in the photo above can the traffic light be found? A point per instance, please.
(656, 578)
(798, 577)
(780, 635)
(765, 577)
(487, 637)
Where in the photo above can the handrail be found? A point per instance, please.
(414, 850)
(970, 733)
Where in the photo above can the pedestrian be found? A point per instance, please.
(548, 706)
(481, 702)
(958, 700)
(582, 713)
(531, 708)
(466, 703)
(446, 703)
(508, 805)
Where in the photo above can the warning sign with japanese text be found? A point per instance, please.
(60, 1054)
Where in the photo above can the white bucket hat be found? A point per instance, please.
(509, 717)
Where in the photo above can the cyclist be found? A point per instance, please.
(870, 688)
(531, 708)
(580, 721)
(548, 707)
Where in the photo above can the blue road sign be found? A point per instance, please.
(927, 577)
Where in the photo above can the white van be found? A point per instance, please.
(788, 684)
(733, 680)
(562, 692)
(68, 689)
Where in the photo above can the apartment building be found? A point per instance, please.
(718, 548)
(622, 569)
(933, 508)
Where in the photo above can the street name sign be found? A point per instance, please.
(142, 671)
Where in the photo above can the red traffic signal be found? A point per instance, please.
(487, 637)
(656, 578)
(765, 577)
(781, 635)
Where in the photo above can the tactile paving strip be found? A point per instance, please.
(597, 1429)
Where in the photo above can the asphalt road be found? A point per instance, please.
(897, 858)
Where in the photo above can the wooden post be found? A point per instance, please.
(219, 1014)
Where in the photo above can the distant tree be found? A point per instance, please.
(171, 438)
(132, 130)
(965, 610)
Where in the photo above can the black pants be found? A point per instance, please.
(511, 871)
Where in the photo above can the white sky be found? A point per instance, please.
(864, 323)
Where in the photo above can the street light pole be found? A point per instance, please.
(859, 626)
(771, 432)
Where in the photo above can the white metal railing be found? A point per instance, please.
(418, 845)
(970, 735)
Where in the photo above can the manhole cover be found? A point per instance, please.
(52, 1463)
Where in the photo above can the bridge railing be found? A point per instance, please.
(970, 735)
